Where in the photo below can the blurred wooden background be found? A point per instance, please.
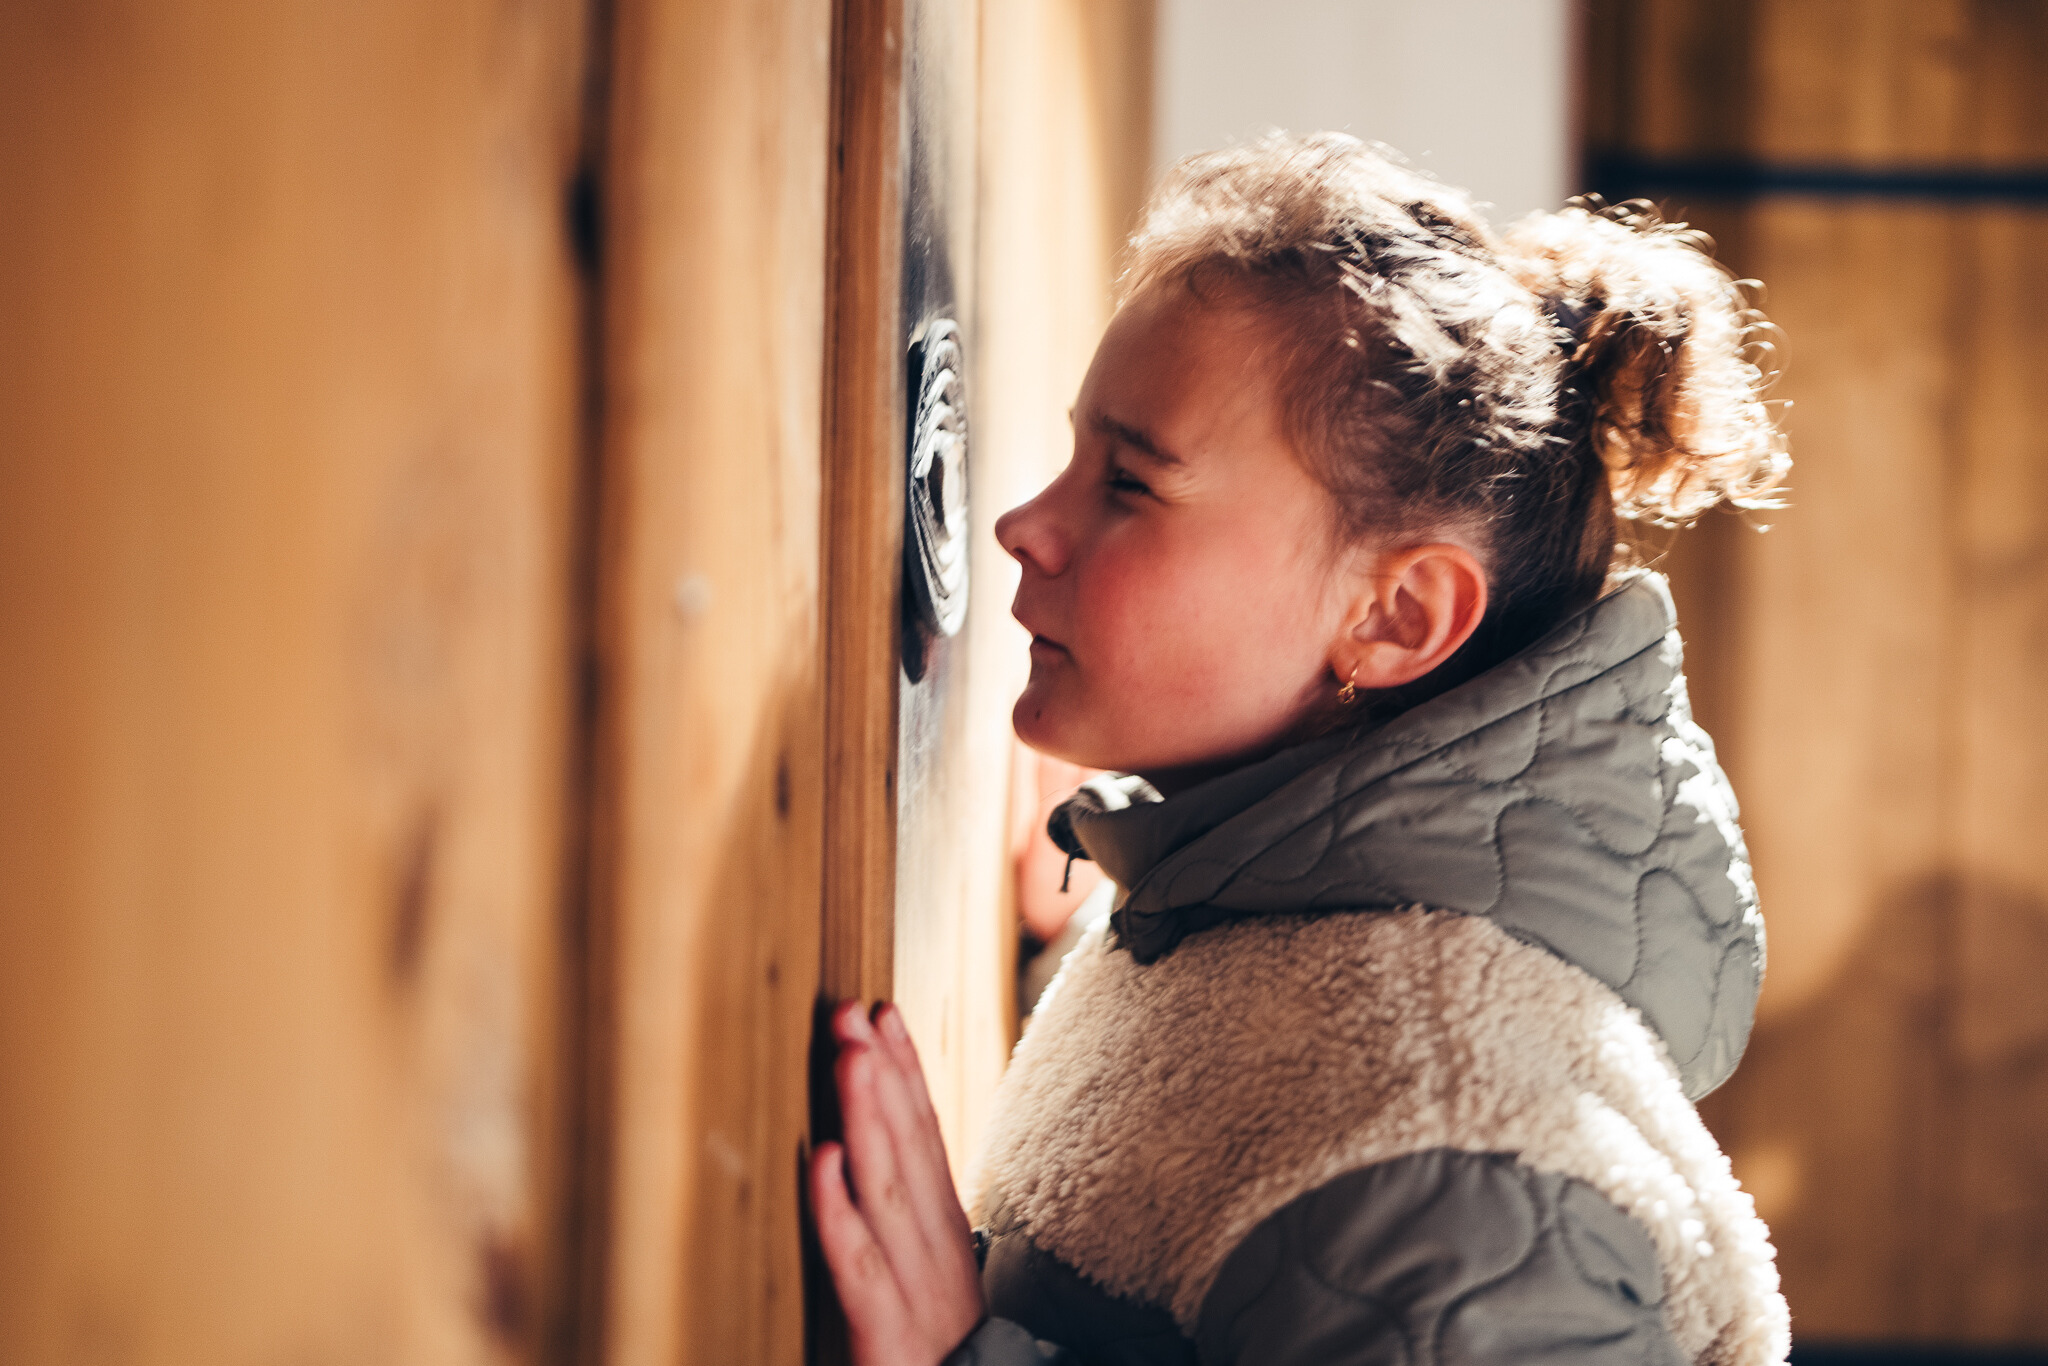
(1873, 666)
(289, 367)
(414, 512)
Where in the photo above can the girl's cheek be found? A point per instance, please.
(1117, 584)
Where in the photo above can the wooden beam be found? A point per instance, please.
(863, 508)
(707, 865)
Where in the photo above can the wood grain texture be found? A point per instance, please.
(288, 374)
(707, 861)
(329, 355)
(863, 500)
(1872, 666)
(1993, 1265)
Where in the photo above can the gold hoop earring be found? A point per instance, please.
(1349, 692)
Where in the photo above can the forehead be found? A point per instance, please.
(1193, 372)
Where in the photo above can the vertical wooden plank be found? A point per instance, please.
(1835, 741)
(913, 828)
(1994, 1264)
(707, 868)
(862, 548)
(863, 499)
(288, 375)
(1874, 662)
(1989, 1281)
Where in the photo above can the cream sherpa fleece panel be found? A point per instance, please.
(1154, 1115)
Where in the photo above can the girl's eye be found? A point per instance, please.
(1123, 481)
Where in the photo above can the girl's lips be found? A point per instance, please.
(1039, 642)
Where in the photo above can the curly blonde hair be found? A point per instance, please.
(1533, 390)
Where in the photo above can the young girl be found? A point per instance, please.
(1432, 916)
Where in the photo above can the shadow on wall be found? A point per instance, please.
(1915, 1085)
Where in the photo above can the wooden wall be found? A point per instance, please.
(1873, 665)
(289, 346)
(706, 869)
(416, 514)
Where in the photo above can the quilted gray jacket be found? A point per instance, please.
(1387, 1053)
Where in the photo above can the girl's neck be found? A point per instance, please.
(1171, 782)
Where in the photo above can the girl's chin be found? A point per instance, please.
(1028, 718)
(1039, 724)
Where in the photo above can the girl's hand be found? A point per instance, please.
(898, 1243)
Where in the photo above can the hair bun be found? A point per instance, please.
(1664, 344)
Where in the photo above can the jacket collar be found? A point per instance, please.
(1565, 792)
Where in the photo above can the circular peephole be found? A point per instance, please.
(935, 512)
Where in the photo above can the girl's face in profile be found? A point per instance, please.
(1180, 577)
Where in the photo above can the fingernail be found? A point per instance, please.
(857, 1023)
(892, 1023)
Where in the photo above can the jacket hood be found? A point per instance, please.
(1566, 794)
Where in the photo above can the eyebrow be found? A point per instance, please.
(1134, 437)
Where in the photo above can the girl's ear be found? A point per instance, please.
(1419, 606)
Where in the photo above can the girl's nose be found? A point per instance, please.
(1029, 533)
